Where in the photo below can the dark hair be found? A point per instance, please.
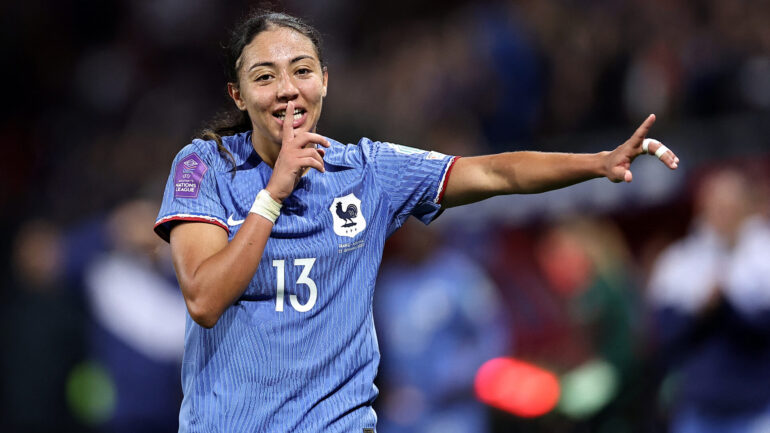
(234, 121)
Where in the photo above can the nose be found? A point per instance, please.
(287, 90)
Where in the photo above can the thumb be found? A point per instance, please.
(628, 176)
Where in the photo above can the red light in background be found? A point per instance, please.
(517, 387)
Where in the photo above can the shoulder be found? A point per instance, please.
(372, 148)
(687, 261)
(208, 153)
(199, 152)
(347, 155)
(756, 231)
(367, 151)
(691, 248)
(754, 241)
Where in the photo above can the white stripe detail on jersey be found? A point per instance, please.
(442, 185)
(189, 217)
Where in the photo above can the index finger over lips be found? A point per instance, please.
(287, 126)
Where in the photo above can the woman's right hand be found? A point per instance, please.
(294, 158)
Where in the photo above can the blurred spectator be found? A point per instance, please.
(129, 79)
(441, 319)
(586, 263)
(711, 296)
(124, 88)
(41, 336)
(138, 323)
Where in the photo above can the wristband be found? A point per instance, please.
(266, 207)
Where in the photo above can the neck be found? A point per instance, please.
(266, 150)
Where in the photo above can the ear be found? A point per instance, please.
(325, 80)
(234, 91)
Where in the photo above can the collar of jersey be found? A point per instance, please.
(335, 158)
(252, 161)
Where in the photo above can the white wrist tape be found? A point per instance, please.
(265, 206)
(646, 147)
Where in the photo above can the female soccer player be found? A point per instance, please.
(277, 233)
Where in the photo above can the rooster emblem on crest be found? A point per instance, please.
(347, 215)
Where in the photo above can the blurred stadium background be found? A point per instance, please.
(100, 95)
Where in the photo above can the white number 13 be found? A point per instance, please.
(306, 264)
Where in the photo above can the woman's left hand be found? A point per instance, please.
(618, 162)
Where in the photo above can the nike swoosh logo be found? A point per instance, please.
(232, 222)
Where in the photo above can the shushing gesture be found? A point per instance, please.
(297, 155)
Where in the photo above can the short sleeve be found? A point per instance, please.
(191, 192)
(413, 179)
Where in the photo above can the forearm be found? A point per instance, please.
(534, 172)
(478, 178)
(211, 286)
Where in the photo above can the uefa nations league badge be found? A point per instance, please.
(348, 218)
(188, 176)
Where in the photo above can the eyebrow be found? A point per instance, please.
(296, 59)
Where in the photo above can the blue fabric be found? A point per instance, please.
(712, 307)
(267, 365)
(147, 389)
(724, 364)
(691, 420)
(439, 320)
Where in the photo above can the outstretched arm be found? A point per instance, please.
(477, 178)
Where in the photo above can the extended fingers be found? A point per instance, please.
(313, 161)
(310, 157)
(644, 128)
(663, 153)
(302, 139)
(311, 137)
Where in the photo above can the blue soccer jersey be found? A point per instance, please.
(297, 352)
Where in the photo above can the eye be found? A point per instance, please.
(263, 77)
(303, 71)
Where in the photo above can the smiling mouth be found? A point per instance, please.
(281, 114)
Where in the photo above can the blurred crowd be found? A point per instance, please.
(635, 296)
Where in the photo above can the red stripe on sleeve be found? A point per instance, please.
(165, 234)
(446, 179)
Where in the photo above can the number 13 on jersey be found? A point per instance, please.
(304, 278)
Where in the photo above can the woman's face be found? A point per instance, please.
(278, 66)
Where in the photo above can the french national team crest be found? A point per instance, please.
(348, 218)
